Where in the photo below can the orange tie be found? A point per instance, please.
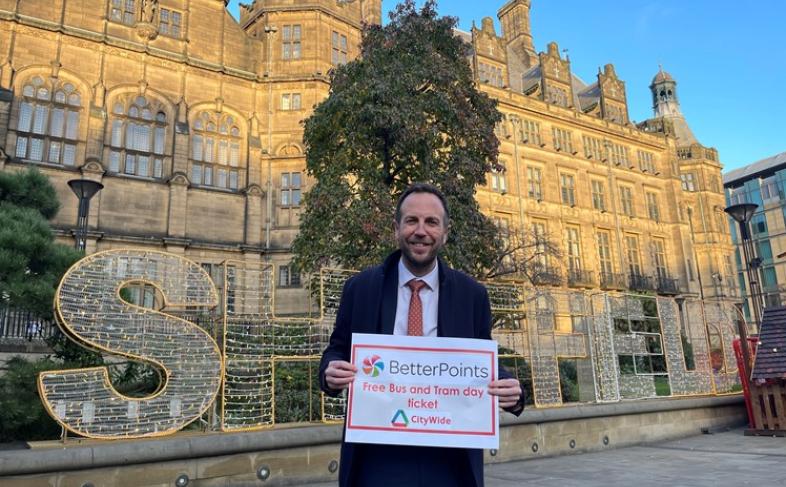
(415, 317)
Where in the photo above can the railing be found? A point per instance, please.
(547, 276)
(18, 324)
(668, 285)
(581, 278)
(612, 281)
(637, 282)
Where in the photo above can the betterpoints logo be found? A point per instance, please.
(373, 366)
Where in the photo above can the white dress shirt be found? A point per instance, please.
(429, 298)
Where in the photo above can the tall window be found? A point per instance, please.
(288, 276)
(215, 151)
(632, 252)
(573, 245)
(539, 232)
(137, 137)
(535, 183)
(170, 22)
(290, 189)
(290, 101)
(626, 200)
(530, 132)
(123, 11)
(646, 162)
(490, 74)
(604, 252)
(48, 124)
(290, 42)
(659, 256)
(598, 195)
(498, 183)
(563, 140)
(619, 155)
(339, 48)
(653, 209)
(593, 148)
(688, 181)
(568, 187)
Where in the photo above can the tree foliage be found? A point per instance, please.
(31, 263)
(406, 111)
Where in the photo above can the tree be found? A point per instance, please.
(31, 263)
(406, 111)
(523, 254)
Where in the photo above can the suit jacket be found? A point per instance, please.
(368, 305)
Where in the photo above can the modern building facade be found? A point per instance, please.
(763, 183)
(192, 122)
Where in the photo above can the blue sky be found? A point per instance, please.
(728, 57)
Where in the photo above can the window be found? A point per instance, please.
(632, 252)
(123, 11)
(290, 189)
(535, 183)
(619, 155)
(290, 42)
(604, 252)
(170, 22)
(530, 132)
(769, 188)
(339, 48)
(568, 187)
(290, 101)
(573, 245)
(598, 195)
(562, 140)
(490, 74)
(498, 180)
(653, 209)
(593, 148)
(659, 256)
(626, 201)
(288, 276)
(215, 151)
(137, 137)
(48, 123)
(216, 273)
(646, 162)
(539, 232)
(688, 181)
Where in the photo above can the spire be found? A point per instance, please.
(666, 104)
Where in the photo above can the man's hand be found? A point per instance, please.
(508, 391)
(339, 374)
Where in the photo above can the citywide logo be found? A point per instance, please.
(373, 366)
(400, 419)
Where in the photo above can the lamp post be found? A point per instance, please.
(84, 189)
(742, 214)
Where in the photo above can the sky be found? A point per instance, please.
(728, 58)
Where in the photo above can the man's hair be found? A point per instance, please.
(422, 188)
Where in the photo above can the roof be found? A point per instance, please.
(662, 76)
(751, 170)
(770, 361)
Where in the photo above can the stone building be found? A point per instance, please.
(192, 122)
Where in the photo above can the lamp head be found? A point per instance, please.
(743, 212)
(85, 188)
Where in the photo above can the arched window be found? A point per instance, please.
(215, 151)
(48, 124)
(137, 137)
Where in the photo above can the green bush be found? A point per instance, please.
(22, 414)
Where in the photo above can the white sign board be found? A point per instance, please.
(423, 391)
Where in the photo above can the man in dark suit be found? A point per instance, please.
(412, 293)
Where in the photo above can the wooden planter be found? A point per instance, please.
(768, 402)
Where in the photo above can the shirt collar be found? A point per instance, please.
(431, 279)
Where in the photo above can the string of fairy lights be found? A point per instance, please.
(225, 334)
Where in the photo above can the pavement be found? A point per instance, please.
(726, 458)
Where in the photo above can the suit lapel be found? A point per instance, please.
(389, 300)
(444, 309)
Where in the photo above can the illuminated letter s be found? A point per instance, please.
(90, 310)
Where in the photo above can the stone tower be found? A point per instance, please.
(666, 105)
(516, 31)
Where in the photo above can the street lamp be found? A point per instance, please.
(742, 214)
(84, 189)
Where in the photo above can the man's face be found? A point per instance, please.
(421, 232)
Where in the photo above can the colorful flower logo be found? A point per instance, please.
(373, 365)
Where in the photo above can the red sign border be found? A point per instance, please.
(415, 430)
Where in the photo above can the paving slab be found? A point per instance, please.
(719, 459)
